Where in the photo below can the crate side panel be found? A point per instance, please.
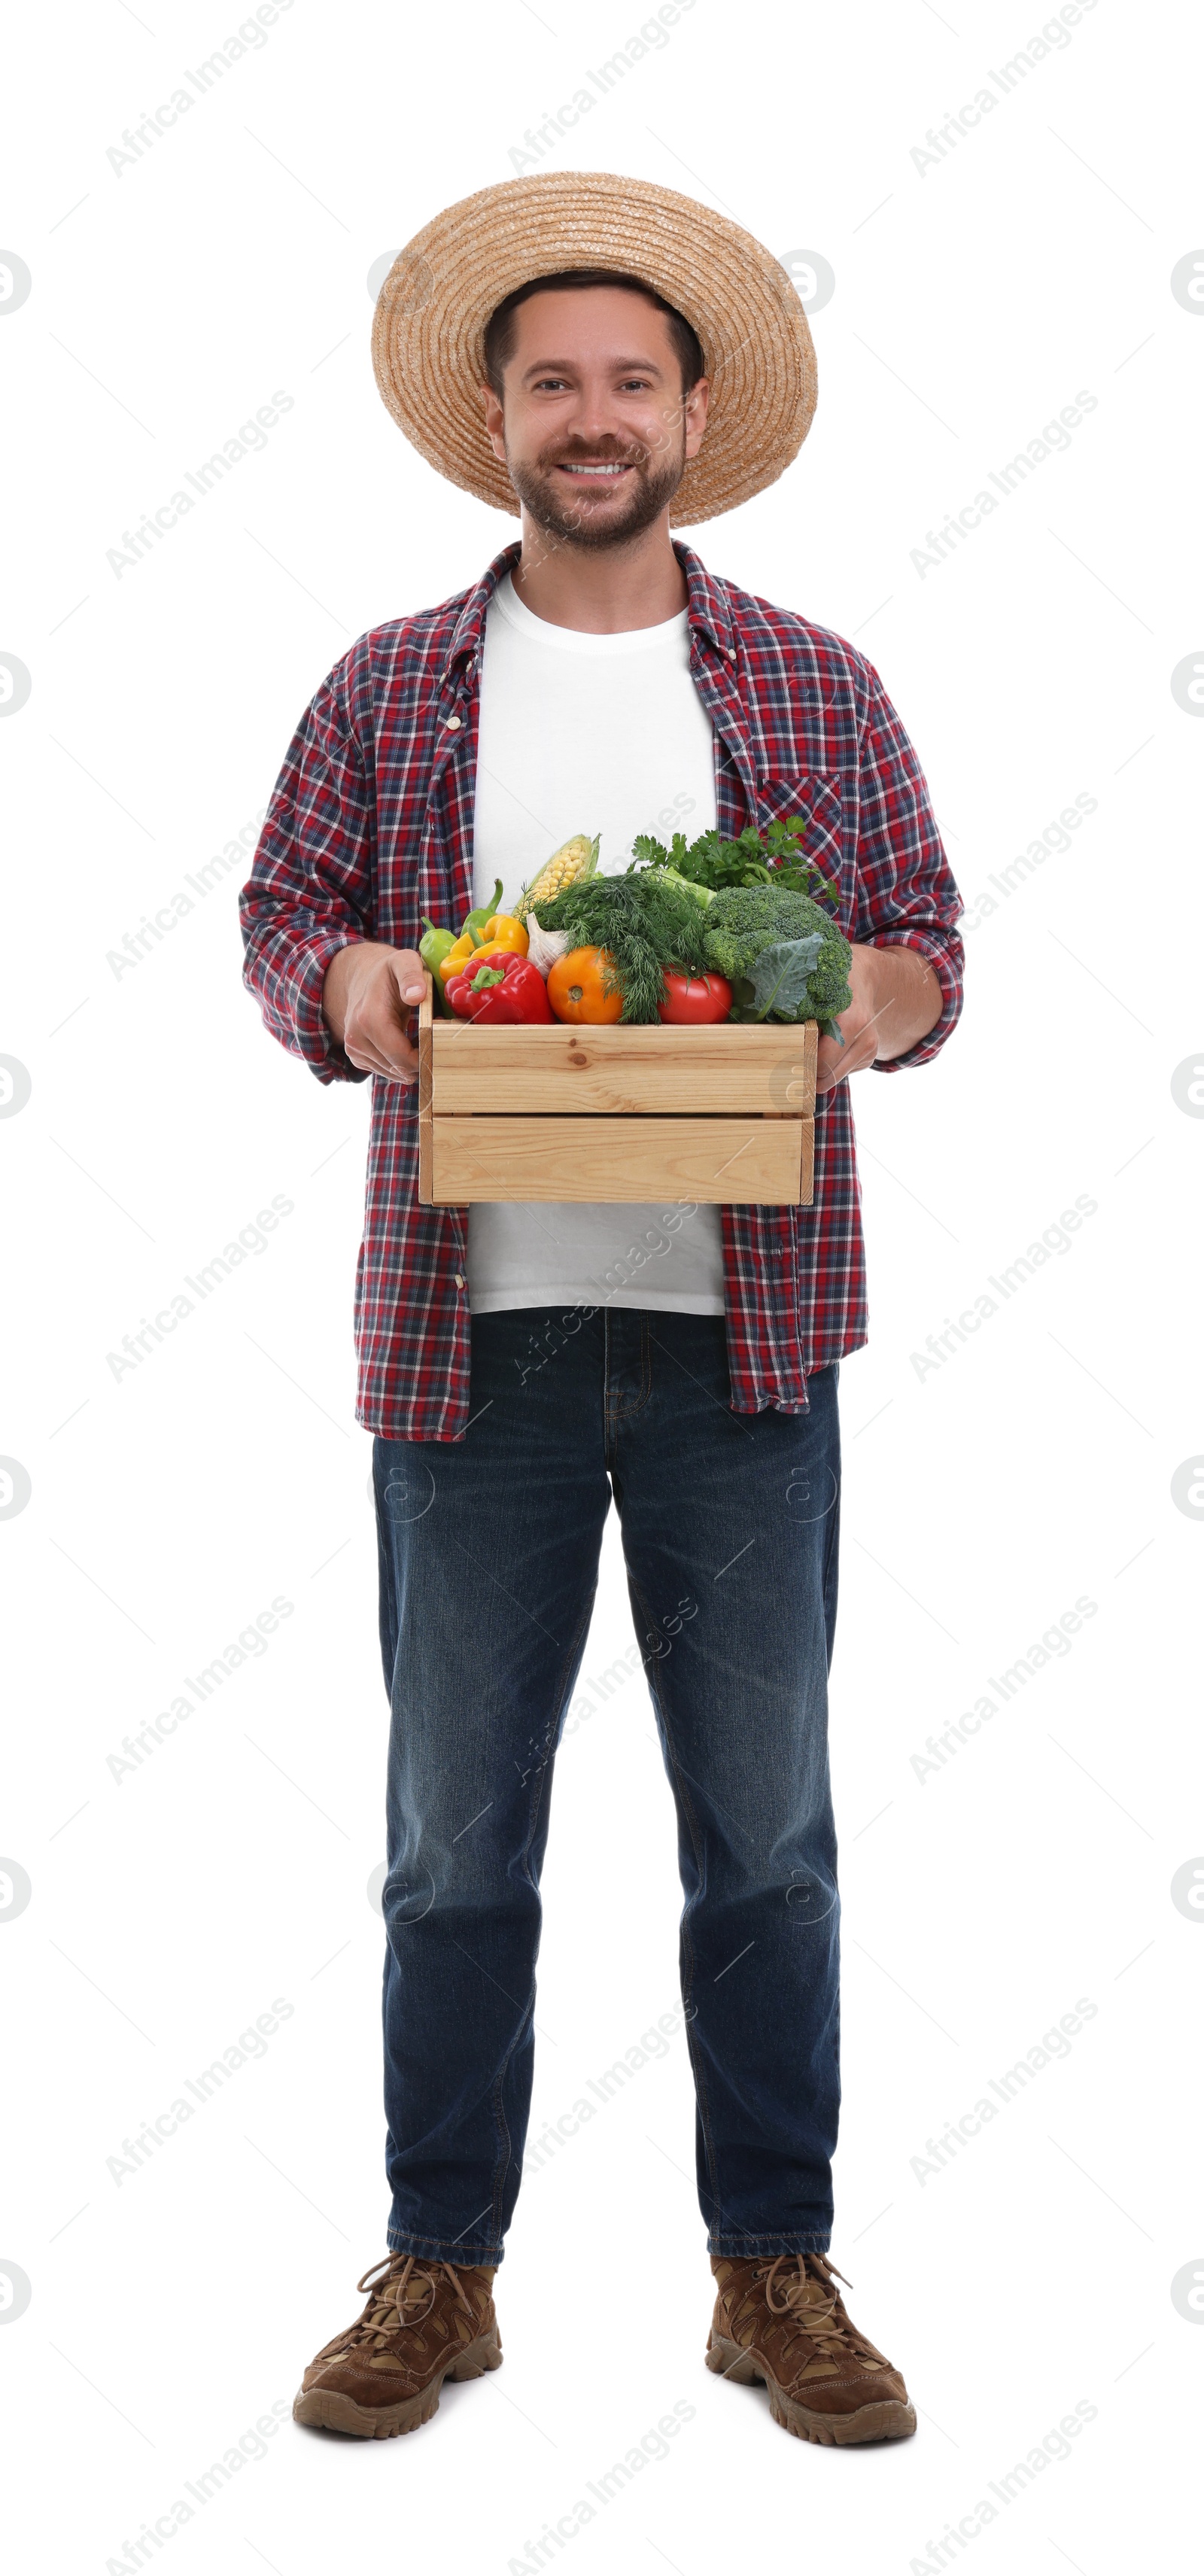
(568, 1071)
(709, 1160)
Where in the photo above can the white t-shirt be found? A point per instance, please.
(587, 733)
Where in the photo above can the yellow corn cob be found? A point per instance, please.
(573, 860)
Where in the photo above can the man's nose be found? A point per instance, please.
(595, 424)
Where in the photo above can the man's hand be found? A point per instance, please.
(366, 1000)
(897, 999)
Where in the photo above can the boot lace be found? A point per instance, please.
(788, 2283)
(402, 2290)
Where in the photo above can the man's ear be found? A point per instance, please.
(491, 406)
(696, 405)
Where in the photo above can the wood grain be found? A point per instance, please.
(623, 1071)
(717, 1115)
(712, 1161)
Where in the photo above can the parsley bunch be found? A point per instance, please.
(773, 857)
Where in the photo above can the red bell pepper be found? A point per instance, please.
(508, 989)
(693, 1001)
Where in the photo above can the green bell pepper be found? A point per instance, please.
(432, 948)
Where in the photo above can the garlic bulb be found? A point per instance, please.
(545, 946)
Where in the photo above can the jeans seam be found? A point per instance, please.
(622, 1410)
(388, 1589)
(679, 1777)
(750, 2247)
(542, 1780)
(405, 2241)
(832, 1538)
(505, 2142)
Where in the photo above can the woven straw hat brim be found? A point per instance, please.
(428, 332)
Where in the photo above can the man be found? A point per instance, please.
(605, 354)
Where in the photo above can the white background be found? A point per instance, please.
(973, 300)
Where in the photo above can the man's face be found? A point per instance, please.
(595, 432)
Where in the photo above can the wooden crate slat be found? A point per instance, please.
(708, 1160)
(425, 1074)
(632, 1071)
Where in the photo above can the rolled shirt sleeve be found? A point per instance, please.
(906, 893)
(311, 890)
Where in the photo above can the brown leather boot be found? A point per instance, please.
(424, 2323)
(784, 2321)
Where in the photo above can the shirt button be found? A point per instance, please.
(453, 724)
(459, 1280)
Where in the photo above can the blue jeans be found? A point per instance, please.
(729, 1526)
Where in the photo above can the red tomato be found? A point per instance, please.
(694, 1000)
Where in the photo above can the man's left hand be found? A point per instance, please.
(896, 1001)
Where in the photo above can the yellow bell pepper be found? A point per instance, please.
(493, 952)
(457, 957)
(502, 936)
(504, 931)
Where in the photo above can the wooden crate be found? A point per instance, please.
(563, 1113)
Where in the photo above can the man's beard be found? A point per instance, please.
(560, 515)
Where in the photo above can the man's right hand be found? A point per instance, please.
(367, 996)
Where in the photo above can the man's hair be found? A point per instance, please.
(501, 330)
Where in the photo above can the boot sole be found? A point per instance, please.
(889, 2420)
(332, 2411)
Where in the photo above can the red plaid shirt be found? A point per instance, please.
(371, 826)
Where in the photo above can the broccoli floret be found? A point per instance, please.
(746, 919)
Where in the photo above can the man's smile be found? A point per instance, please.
(598, 473)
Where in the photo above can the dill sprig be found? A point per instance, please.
(644, 926)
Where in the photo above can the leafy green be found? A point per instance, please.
(746, 921)
(781, 975)
(699, 894)
(643, 922)
(773, 857)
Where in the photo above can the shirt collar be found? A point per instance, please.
(469, 629)
(706, 607)
(707, 603)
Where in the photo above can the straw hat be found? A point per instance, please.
(429, 328)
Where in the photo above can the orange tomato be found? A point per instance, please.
(575, 988)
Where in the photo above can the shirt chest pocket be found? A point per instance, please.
(815, 794)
